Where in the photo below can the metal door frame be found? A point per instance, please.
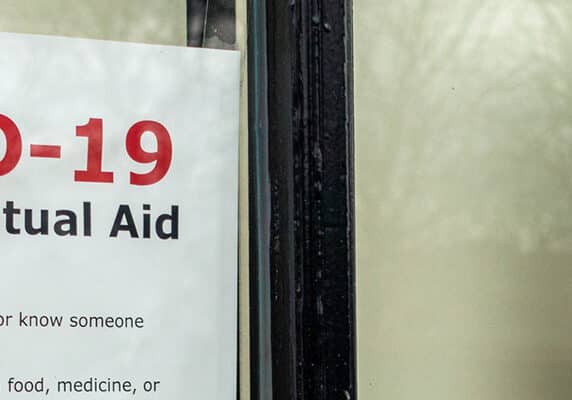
(302, 255)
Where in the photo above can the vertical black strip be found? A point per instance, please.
(196, 19)
(310, 158)
(259, 203)
(281, 81)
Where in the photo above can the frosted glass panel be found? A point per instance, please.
(464, 199)
(147, 21)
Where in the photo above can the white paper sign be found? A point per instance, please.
(118, 223)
